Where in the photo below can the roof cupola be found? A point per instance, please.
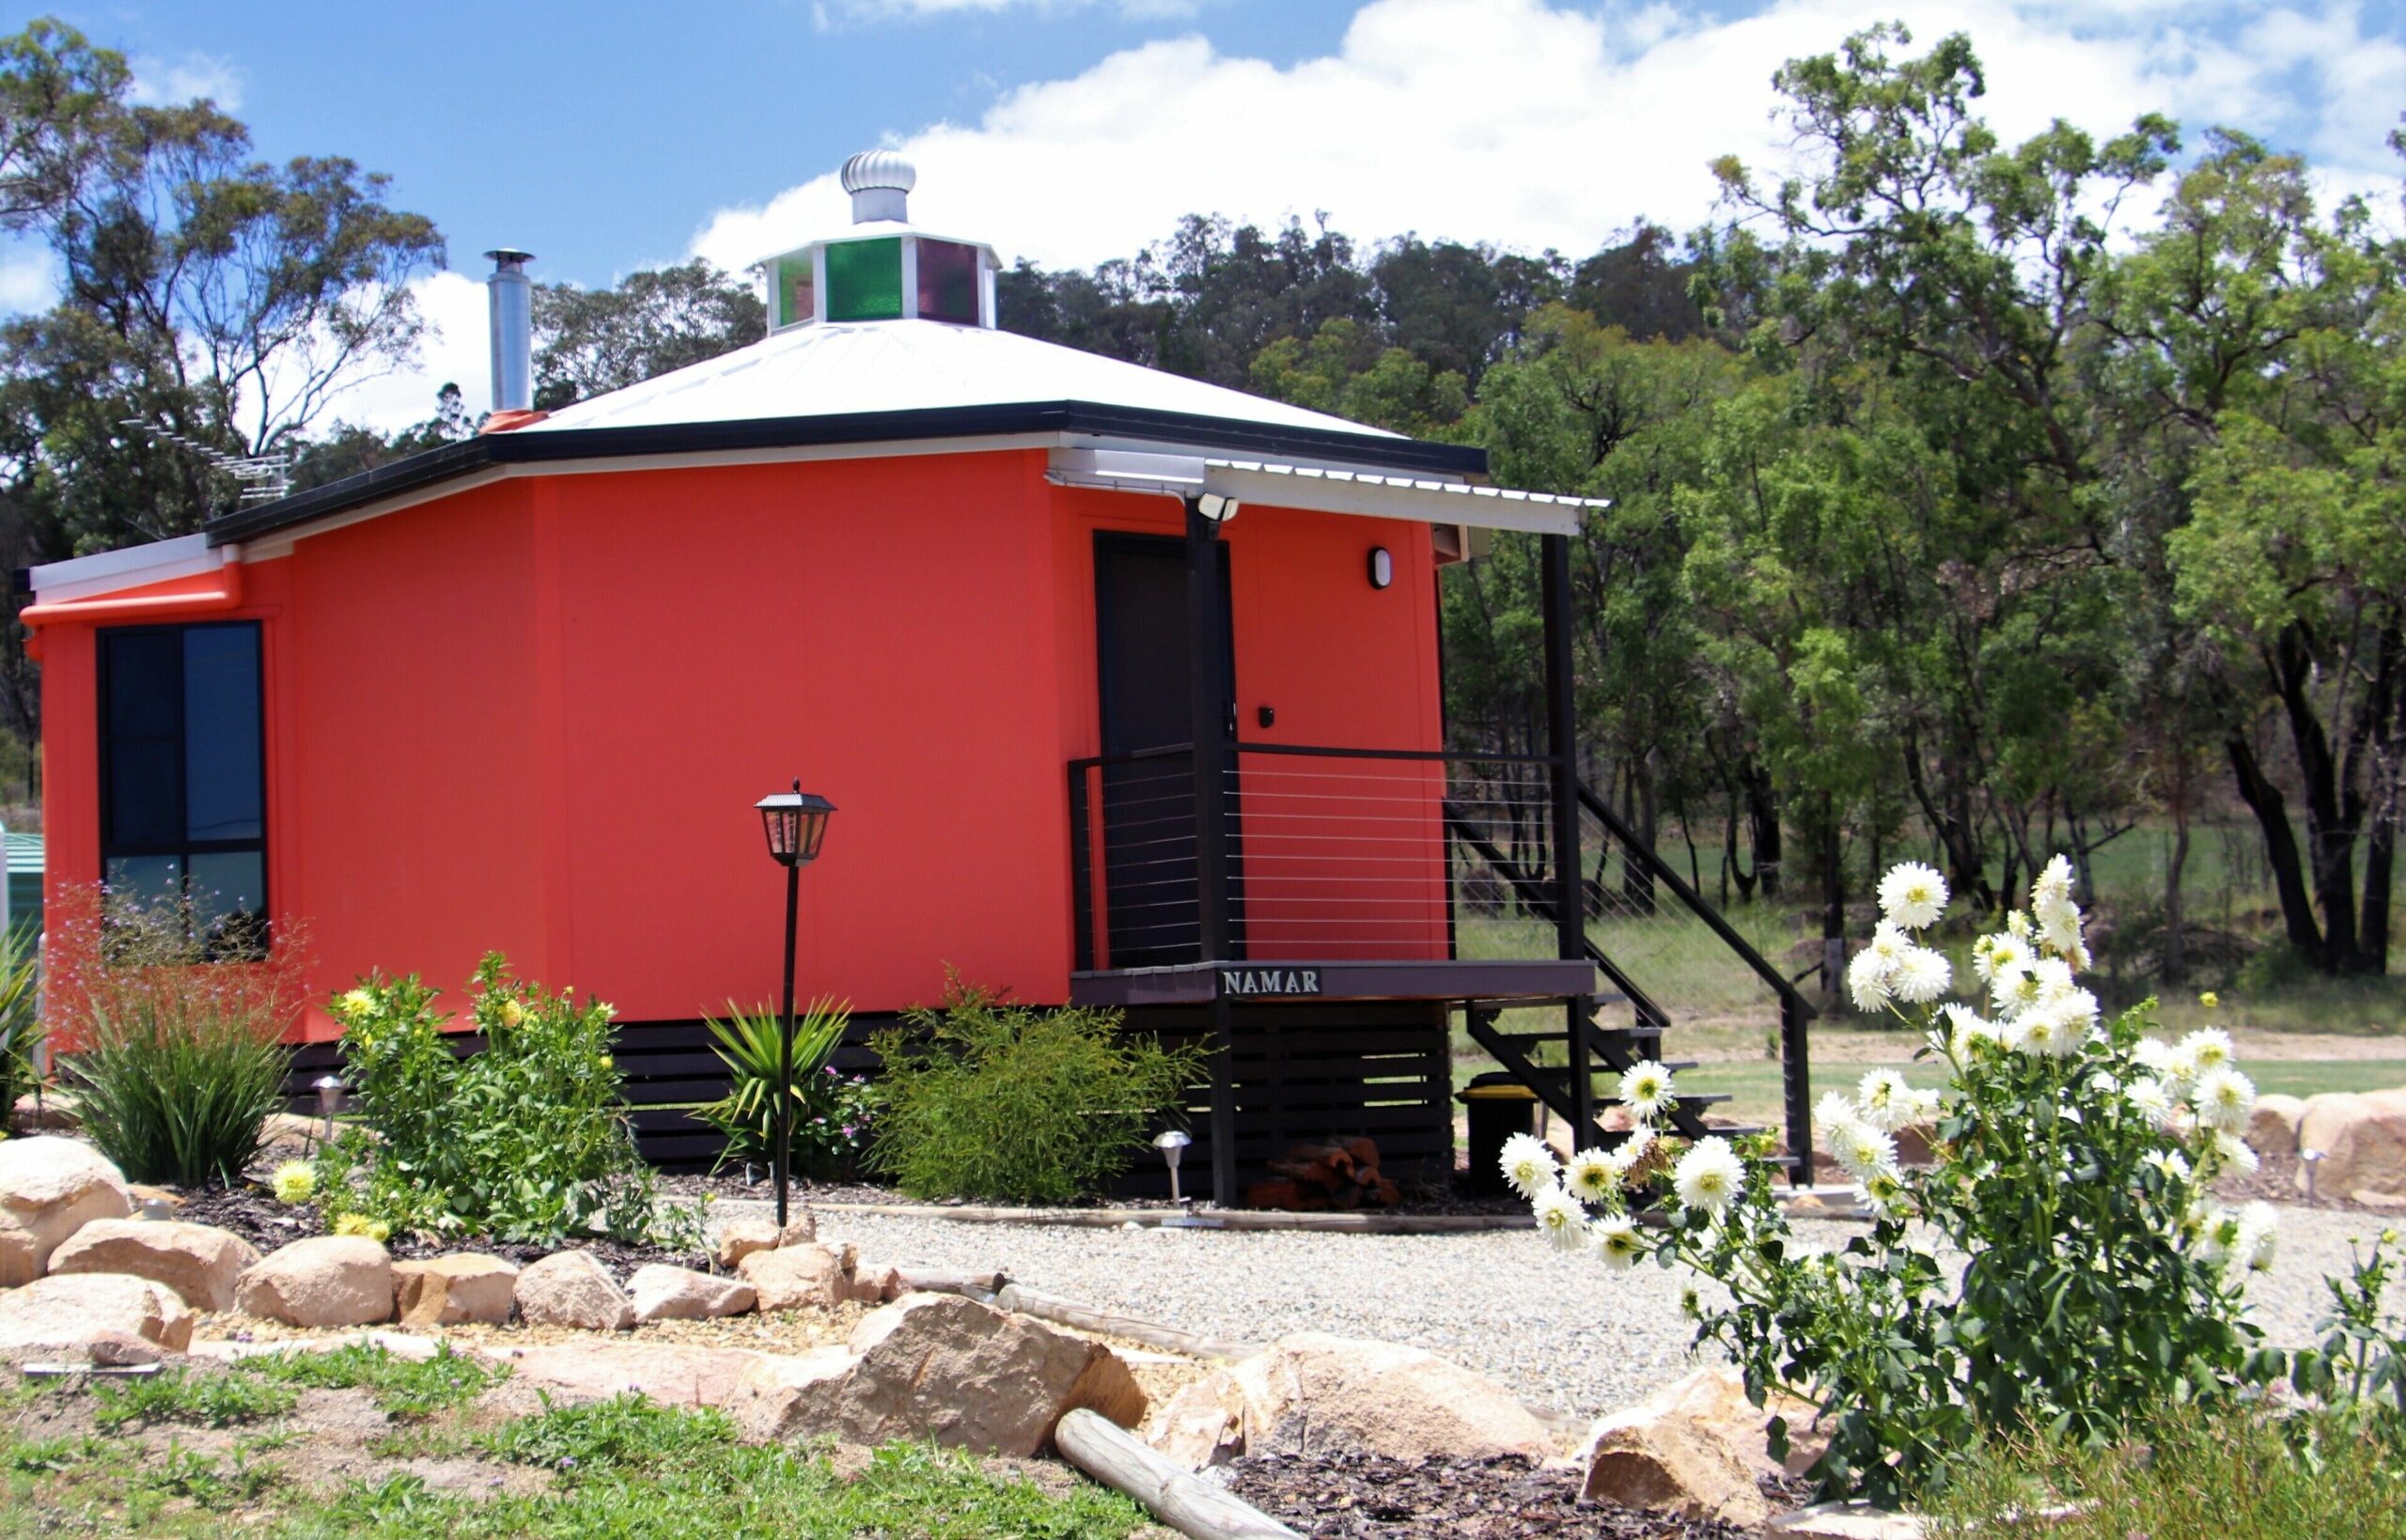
(884, 267)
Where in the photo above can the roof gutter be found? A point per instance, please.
(226, 594)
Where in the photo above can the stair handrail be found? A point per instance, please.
(1794, 1010)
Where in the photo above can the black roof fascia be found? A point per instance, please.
(454, 460)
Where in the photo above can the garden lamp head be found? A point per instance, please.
(2309, 1159)
(330, 1089)
(796, 823)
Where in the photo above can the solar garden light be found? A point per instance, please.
(1172, 1143)
(2311, 1158)
(795, 822)
(330, 1089)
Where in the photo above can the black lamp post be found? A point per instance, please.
(796, 823)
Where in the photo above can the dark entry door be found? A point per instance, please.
(1143, 650)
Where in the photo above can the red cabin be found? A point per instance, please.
(1126, 687)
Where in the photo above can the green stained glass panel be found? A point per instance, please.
(865, 279)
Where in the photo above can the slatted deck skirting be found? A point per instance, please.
(1303, 1072)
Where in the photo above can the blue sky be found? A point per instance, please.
(609, 136)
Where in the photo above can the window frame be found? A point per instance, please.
(184, 847)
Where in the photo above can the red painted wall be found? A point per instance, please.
(534, 716)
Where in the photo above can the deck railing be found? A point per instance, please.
(1331, 854)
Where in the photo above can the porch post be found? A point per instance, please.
(1208, 733)
(1569, 902)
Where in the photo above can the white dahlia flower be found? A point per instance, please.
(1883, 1192)
(1921, 976)
(1710, 1175)
(2053, 883)
(1528, 1164)
(2016, 989)
(1868, 980)
(2174, 1165)
(2224, 1097)
(1862, 1149)
(1561, 1220)
(2234, 1151)
(2150, 1099)
(1616, 1240)
(1646, 1089)
(2221, 1237)
(1591, 1178)
(1912, 894)
(2209, 1048)
(2258, 1237)
(1886, 1101)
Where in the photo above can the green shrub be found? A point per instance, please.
(527, 1140)
(177, 1059)
(987, 1100)
(831, 1111)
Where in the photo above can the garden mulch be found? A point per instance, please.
(1345, 1496)
(254, 1214)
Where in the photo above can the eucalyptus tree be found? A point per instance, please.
(1926, 278)
(2282, 338)
(652, 322)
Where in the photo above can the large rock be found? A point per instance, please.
(2362, 1139)
(50, 1188)
(1328, 1394)
(799, 1277)
(465, 1288)
(570, 1288)
(1697, 1447)
(200, 1262)
(941, 1368)
(740, 1238)
(672, 1374)
(662, 1293)
(2272, 1128)
(104, 1318)
(323, 1281)
(1203, 1424)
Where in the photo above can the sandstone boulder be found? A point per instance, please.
(464, 1288)
(874, 1283)
(939, 1367)
(322, 1281)
(102, 1318)
(2272, 1129)
(1696, 1448)
(1328, 1394)
(570, 1288)
(670, 1373)
(50, 1113)
(662, 1292)
(802, 1276)
(50, 1188)
(200, 1262)
(1203, 1424)
(2362, 1139)
(740, 1238)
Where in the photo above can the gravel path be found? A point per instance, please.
(1562, 1332)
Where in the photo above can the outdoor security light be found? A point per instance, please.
(795, 822)
(1173, 1145)
(1381, 567)
(1216, 508)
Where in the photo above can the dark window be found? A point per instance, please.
(183, 798)
(865, 279)
(948, 281)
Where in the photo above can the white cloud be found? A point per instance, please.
(1512, 121)
(28, 278)
(161, 83)
(455, 350)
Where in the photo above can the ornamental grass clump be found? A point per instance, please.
(174, 1050)
(527, 1138)
(2073, 1157)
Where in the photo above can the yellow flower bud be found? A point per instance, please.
(2209, 999)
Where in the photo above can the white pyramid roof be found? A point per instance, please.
(900, 365)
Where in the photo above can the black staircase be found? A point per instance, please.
(1614, 1049)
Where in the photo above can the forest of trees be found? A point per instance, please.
(1969, 498)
